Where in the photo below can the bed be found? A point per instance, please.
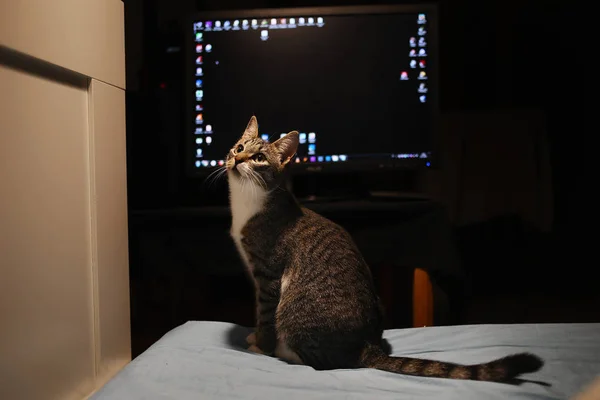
(208, 360)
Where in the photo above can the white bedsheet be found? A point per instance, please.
(207, 360)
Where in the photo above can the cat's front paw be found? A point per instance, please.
(251, 339)
(254, 348)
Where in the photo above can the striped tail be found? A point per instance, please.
(500, 370)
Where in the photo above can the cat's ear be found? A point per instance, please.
(286, 146)
(251, 131)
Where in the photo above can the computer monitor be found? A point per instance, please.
(358, 83)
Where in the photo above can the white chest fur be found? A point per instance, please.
(246, 200)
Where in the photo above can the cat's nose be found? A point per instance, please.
(238, 160)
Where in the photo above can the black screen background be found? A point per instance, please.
(340, 80)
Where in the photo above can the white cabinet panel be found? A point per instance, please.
(85, 36)
(46, 307)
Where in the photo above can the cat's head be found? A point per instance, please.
(255, 161)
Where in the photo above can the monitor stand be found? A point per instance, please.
(369, 196)
(311, 193)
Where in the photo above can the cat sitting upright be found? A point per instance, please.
(316, 301)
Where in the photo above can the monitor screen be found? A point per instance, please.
(358, 85)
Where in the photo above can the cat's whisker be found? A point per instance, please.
(253, 180)
(259, 180)
(215, 176)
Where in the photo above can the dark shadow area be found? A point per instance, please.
(23, 62)
(236, 337)
(519, 382)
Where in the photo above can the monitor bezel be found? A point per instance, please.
(367, 165)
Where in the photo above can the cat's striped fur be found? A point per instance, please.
(316, 301)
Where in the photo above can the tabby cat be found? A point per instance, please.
(316, 301)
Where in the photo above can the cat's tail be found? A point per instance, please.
(500, 370)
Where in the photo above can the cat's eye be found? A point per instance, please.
(260, 157)
(239, 149)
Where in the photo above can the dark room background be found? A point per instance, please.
(504, 66)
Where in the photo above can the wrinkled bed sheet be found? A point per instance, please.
(208, 360)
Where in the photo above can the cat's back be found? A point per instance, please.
(324, 267)
(320, 241)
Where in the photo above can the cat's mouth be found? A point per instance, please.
(236, 168)
(231, 165)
